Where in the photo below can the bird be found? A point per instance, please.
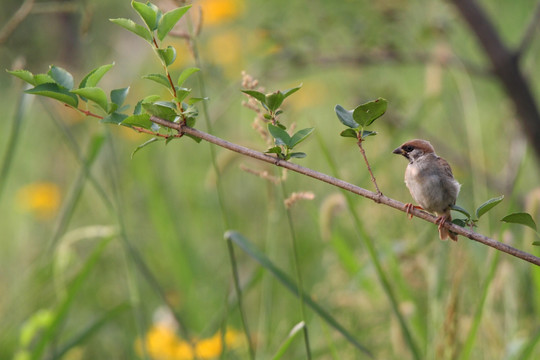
(430, 182)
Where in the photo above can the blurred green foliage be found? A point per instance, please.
(416, 54)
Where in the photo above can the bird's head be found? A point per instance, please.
(414, 149)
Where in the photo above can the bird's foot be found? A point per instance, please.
(409, 207)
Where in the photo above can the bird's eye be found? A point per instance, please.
(408, 148)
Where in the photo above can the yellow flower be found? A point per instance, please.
(162, 343)
(41, 199)
(218, 11)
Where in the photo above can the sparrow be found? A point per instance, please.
(431, 182)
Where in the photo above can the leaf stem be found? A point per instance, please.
(373, 180)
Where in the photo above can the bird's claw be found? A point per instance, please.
(441, 220)
(409, 207)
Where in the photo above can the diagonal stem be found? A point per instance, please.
(373, 180)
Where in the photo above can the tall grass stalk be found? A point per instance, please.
(368, 242)
(296, 260)
(94, 148)
(13, 139)
(114, 207)
(220, 194)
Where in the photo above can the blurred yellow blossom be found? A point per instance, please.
(41, 199)
(218, 11)
(226, 49)
(162, 343)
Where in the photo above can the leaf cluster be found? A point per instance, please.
(58, 83)
(361, 117)
(284, 143)
(521, 218)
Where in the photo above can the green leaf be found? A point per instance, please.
(461, 210)
(520, 218)
(168, 55)
(291, 91)
(195, 100)
(293, 334)
(169, 20)
(95, 94)
(169, 104)
(151, 98)
(349, 133)
(182, 93)
(274, 100)
(24, 75)
(118, 96)
(281, 136)
(142, 120)
(536, 243)
(147, 13)
(488, 205)
(290, 285)
(298, 155)
(274, 150)
(367, 133)
(160, 110)
(134, 28)
(113, 118)
(138, 108)
(346, 117)
(257, 95)
(43, 79)
(61, 77)
(460, 222)
(54, 91)
(93, 77)
(367, 113)
(300, 136)
(144, 144)
(185, 74)
(159, 78)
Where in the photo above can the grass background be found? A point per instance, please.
(165, 198)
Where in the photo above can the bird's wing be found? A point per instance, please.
(445, 166)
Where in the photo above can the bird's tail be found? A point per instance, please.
(444, 233)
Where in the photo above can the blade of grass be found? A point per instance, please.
(90, 330)
(528, 349)
(289, 284)
(471, 337)
(113, 204)
(134, 254)
(368, 242)
(293, 334)
(13, 139)
(73, 289)
(219, 186)
(94, 147)
(299, 281)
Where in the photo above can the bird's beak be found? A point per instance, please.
(398, 151)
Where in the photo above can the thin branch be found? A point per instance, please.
(505, 64)
(373, 180)
(378, 198)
